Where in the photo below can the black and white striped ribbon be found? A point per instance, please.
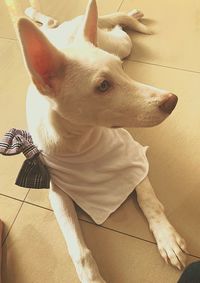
(33, 173)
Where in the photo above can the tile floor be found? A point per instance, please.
(34, 249)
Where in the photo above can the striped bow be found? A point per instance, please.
(33, 173)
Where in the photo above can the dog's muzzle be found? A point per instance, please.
(168, 104)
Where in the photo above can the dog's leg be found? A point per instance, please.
(66, 216)
(170, 244)
(36, 16)
(112, 37)
(115, 41)
(129, 21)
(136, 13)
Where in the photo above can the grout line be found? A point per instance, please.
(129, 235)
(120, 6)
(22, 202)
(101, 226)
(154, 64)
(119, 232)
(27, 202)
(26, 195)
(196, 256)
(83, 220)
(39, 206)
(12, 224)
(164, 66)
(7, 196)
(133, 60)
(8, 38)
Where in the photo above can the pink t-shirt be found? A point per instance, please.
(101, 177)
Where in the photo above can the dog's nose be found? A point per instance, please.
(168, 104)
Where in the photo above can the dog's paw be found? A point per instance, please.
(87, 269)
(40, 18)
(136, 13)
(170, 244)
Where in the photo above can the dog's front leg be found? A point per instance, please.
(66, 216)
(170, 244)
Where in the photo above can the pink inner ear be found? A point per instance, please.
(45, 63)
(41, 60)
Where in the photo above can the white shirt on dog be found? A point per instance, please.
(100, 178)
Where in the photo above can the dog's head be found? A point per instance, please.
(88, 86)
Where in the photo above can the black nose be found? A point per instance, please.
(168, 104)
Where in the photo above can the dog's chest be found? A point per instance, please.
(101, 178)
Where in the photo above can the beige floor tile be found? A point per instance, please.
(128, 218)
(177, 39)
(36, 253)
(39, 197)
(13, 87)
(63, 10)
(6, 27)
(10, 167)
(8, 211)
(11, 10)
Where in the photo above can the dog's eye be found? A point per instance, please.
(104, 86)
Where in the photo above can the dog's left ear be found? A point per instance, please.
(45, 63)
(90, 22)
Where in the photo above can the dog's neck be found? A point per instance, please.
(52, 133)
(72, 138)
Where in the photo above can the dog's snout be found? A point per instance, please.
(168, 104)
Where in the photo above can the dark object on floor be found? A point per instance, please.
(191, 274)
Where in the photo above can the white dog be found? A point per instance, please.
(78, 103)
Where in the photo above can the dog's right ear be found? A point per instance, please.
(45, 63)
(90, 22)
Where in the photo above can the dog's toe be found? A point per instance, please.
(136, 13)
(171, 253)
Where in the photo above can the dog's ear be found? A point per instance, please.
(45, 63)
(90, 22)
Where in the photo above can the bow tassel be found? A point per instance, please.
(33, 173)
